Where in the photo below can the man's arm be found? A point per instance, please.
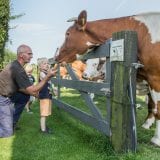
(34, 89)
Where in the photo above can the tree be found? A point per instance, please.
(8, 57)
(5, 17)
(4, 25)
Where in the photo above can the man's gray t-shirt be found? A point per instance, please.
(13, 78)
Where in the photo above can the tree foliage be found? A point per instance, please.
(9, 56)
(4, 25)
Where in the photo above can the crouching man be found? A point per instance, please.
(13, 78)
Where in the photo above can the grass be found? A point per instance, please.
(72, 140)
(67, 95)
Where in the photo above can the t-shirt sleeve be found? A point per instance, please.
(21, 78)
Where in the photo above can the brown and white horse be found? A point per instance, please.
(83, 35)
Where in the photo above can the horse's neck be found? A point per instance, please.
(102, 30)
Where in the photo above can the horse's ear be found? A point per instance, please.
(82, 20)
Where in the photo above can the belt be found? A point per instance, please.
(4, 96)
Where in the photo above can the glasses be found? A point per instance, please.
(30, 53)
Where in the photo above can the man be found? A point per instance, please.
(13, 78)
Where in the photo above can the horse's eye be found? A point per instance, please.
(67, 34)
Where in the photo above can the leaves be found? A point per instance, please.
(4, 20)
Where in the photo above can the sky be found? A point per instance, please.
(44, 22)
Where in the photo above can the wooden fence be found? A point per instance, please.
(119, 88)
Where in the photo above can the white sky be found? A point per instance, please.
(44, 24)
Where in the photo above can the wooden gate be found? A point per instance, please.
(119, 89)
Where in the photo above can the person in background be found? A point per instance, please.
(13, 78)
(45, 95)
(29, 70)
(19, 99)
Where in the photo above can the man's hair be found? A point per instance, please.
(22, 48)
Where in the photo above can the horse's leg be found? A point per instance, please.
(156, 138)
(150, 119)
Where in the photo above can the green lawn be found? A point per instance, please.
(72, 140)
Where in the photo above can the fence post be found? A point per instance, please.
(123, 126)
